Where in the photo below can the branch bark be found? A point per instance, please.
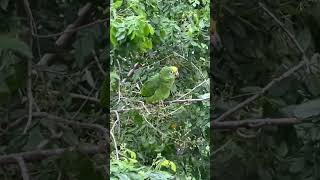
(66, 37)
(254, 123)
(23, 167)
(43, 154)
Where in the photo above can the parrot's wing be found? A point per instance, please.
(160, 94)
(152, 84)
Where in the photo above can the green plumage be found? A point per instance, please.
(158, 87)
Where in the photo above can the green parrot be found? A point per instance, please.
(158, 87)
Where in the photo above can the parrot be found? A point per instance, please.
(157, 88)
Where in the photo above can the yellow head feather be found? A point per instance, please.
(174, 69)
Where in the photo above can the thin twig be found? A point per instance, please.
(112, 135)
(98, 62)
(222, 147)
(47, 141)
(66, 37)
(163, 134)
(29, 75)
(42, 154)
(144, 106)
(130, 73)
(291, 36)
(99, 127)
(78, 96)
(254, 123)
(23, 167)
(33, 26)
(286, 74)
(29, 95)
(240, 132)
(177, 54)
(186, 100)
(73, 30)
(119, 84)
(193, 89)
(124, 110)
(84, 102)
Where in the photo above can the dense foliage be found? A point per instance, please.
(146, 36)
(62, 92)
(256, 50)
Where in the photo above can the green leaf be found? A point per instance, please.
(308, 109)
(147, 44)
(113, 32)
(88, 77)
(4, 90)
(84, 46)
(151, 30)
(116, 4)
(313, 84)
(282, 150)
(15, 45)
(35, 137)
(70, 137)
(204, 96)
(137, 117)
(4, 4)
(264, 174)
(305, 38)
(297, 165)
(79, 166)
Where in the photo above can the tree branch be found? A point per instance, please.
(23, 167)
(43, 154)
(254, 123)
(102, 129)
(286, 74)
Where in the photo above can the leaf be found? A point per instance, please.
(113, 32)
(264, 174)
(4, 4)
(282, 150)
(204, 96)
(308, 109)
(297, 165)
(304, 38)
(238, 29)
(137, 117)
(116, 4)
(70, 137)
(151, 30)
(132, 154)
(288, 111)
(83, 46)
(35, 137)
(79, 166)
(315, 134)
(88, 77)
(4, 89)
(313, 84)
(173, 167)
(147, 44)
(15, 45)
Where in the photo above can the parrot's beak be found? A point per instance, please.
(177, 74)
